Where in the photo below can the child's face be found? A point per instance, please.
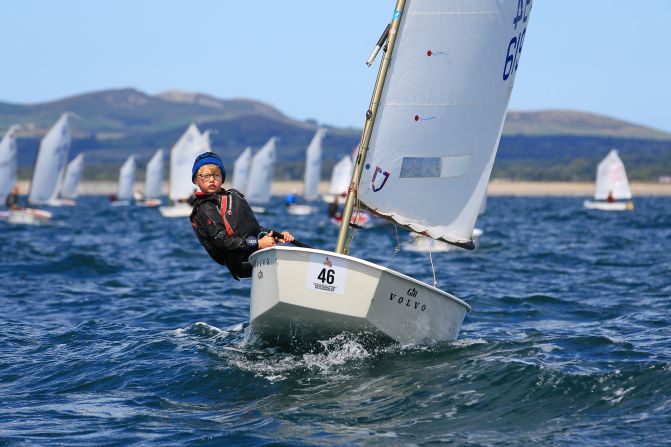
(209, 179)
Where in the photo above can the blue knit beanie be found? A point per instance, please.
(208, 158)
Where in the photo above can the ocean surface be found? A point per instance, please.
(116, 329)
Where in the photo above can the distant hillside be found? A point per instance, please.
(110, 125)
(567, 122)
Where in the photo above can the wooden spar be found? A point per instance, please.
(368, 129)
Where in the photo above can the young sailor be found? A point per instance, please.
(12, 200)
(223, 220)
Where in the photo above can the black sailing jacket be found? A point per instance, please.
(226, 226)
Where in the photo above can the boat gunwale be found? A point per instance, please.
(367, 263)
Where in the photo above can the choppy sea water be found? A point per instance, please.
(117, 329)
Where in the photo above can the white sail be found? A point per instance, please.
(73, 174)
(441, 113)
(611, 178)
(183, 154)
(8, 153)
(341, 176)
(261, 174)
(483, 205)
(241, 169)
(206, 142)
(126, 180)
(153, 182)
(313, 166)
(51, 160)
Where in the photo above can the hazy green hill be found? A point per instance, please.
(110, 125)
(568, 122)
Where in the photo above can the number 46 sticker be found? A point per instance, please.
(327, 274)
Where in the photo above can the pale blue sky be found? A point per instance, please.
(611, 57)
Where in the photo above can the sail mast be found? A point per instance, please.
(368, 128)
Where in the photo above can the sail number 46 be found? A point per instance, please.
(515, 44)
(326, 276)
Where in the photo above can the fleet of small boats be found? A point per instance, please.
(424, 161)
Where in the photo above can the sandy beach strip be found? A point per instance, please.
(496, 188)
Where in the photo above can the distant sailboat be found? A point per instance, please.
(73, 174)
(241, 169)
(8, 166)
(261, 176)
(427, 150)
(8, 156)
(50, 166)
(313, 165)
(153, 182)
(182, 155)
(341, 175)
(124, 195)
(612, 186)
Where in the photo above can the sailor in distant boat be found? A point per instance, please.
(12, 200)
(223, 221)
(610, 198)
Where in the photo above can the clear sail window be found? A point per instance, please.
(427, 167)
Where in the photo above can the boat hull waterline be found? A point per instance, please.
(608, 206)
(302, 295)
(179, 210)
(26, 216)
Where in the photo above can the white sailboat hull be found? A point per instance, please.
(179, 210)
(606, 206)
(290, 303)
(301, 210)
(26, 216)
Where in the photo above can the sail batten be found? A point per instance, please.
(441, 114)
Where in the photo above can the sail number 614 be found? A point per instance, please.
(515, 44)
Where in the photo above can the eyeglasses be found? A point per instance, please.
(208, 177)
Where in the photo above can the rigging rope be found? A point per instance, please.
(433, 269)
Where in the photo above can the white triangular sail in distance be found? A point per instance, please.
(441, 114)
(153, 182)
(261, 174)
(611, 178)
(51, 160)
(183, 154)
(241, 169)
(126, 180)
(313, 165)
(341, 176)
(73, 174)
(8, 155)
(483, 205)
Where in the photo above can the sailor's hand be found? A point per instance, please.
(288, 237)
(267, 241)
